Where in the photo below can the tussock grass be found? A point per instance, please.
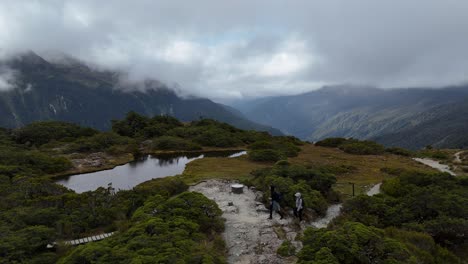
(220, 168)
(366, 169)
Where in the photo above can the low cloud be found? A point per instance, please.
(7, 79)
(235, 49)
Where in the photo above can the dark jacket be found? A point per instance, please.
(275, 197)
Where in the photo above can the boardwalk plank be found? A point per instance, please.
(84, 240)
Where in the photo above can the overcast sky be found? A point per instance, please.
(234, 49)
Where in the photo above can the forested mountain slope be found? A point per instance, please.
(73, 92)
(364, 112)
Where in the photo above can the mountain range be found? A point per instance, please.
(411, 118)
(71, 91)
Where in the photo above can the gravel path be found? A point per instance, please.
(457, 157)
(374, 190)
(250, 237)
(436, 165)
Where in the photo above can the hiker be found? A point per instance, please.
(275, 206)
(299, 206)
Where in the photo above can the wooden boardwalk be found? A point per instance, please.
(84, 240)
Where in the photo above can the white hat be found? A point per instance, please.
(298, 194)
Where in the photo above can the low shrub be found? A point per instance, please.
(261, 145)
(40, 133)
(286, 249)
(174, 143)
(99, 142)
(331, 142)
(265, 155)
(362, 147)
(433, 154)
(399, 151)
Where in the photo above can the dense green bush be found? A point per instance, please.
(289, 179)
(429, 202)
(273, 149)
(287, 148)
(166, 187)
(100, 142)
(355, 243)
(331, 142)
(286, 249)
(353, 146)
(288, 187)
(136, 125)
(132, 125)
(335, 169)
(433, 154)
(48, 164)
(265, 155)
(174, 143)
(261, 145)
(204, 133)
(399, 151)
(42, 132)
(183, 229)
(24, 160)
(215, 137)
(362, 147)
(35, 212)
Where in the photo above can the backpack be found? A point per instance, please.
(280, 197)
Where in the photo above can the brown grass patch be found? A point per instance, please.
(220, 168)
(368, 167)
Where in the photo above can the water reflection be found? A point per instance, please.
(143, 169)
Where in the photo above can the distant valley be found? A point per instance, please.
(71, 91)
(410, 118)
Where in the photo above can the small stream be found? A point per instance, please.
(127, 176)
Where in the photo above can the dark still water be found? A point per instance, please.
(131, 174)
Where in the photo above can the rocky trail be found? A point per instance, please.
(457, 157)
(250, 236)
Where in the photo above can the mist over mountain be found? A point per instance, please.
(411, 118)
(71, 91)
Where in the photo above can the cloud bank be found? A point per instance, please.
(235, 49)
(7, 79)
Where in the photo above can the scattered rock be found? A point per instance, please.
(250, 237)
(97, 159)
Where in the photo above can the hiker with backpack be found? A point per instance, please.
(275, 200)
(299, 206)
